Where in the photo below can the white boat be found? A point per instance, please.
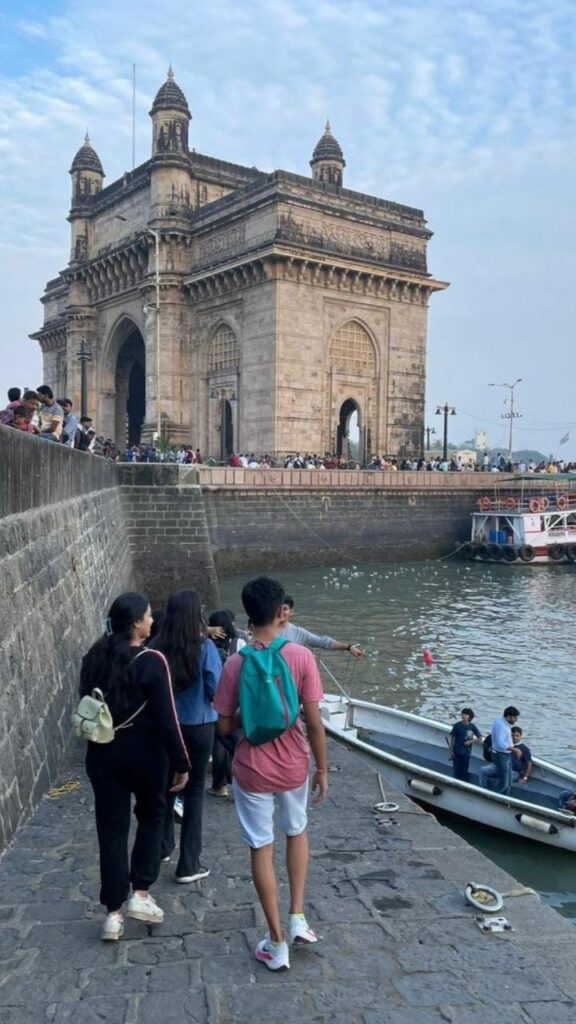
(413, 755)
(524, 528)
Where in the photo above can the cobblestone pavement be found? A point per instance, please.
(398, 944)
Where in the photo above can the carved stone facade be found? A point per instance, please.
(233, 309)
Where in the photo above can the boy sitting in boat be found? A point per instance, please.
(521, 757)
(463, 735)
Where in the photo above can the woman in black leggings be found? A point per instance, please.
(147, 746)
(195, 667)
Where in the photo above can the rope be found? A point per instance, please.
(70, 786)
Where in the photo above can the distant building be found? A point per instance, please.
(287, 304)
(481, 441)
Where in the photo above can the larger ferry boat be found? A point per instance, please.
(532, 528)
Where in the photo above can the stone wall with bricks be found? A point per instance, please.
(64, 556)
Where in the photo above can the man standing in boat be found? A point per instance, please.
(463, 735)
(497, 776)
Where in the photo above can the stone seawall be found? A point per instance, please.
(187, 526)
(64, 555)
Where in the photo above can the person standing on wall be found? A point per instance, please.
(196, 667)
(138, 692)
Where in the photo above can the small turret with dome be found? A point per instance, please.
(328, 161)
(87, 176)
(170, 115)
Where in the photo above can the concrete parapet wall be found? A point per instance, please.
(64, 556)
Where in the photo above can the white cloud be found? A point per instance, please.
(450, 105)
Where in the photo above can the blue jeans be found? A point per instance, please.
(49, 437)
(498, 775)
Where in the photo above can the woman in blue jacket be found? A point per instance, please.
(195, 667)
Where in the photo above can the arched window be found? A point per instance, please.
(223, 352)
(352, 351)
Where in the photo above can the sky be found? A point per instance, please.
(466, 110)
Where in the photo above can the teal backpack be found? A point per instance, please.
(269, 702)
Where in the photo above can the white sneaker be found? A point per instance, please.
(113, 928)
(274, 955)
(300, 930)
(144, 908)
(196, 877)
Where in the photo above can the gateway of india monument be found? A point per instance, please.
(239, 310)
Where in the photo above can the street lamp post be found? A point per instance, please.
(429, 432)
(84, 357)
(447, 410)
(509, 415)
(156, 237)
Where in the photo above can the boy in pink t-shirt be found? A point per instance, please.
(276, 771)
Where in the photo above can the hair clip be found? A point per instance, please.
(108, 627)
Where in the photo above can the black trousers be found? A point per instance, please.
(222, 756)
(198, 740)
(134, 763)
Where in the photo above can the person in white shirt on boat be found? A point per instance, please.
(497, 776)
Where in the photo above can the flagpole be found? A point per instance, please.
(133, 116)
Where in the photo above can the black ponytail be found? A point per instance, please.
(108, 660)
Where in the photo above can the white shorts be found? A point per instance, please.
(256, 814)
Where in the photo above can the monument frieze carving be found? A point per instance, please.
(225, 241)
(350, 242)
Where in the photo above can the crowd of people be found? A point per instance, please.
(40, 414)
(179, 690)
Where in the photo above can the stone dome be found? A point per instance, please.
(328, 148)
(87, 159)
(170, 97)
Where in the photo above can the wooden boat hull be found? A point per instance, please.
(360, 724)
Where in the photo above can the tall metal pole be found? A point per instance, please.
(157, 289)
(509, 415)
(84, 356)
(447, 410)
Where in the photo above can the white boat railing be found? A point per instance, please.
(559, 817)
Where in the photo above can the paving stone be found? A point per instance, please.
(482, 1014)
(35, 989)
(405, 1015)
(224, 920)
(180, 1008)
(153, 951)
(178, 977)
(56, 910)
(434, 988)
(214, 945)
(119, 980)
(551, 1013)
(273, 996)
(102, 1009)
(515, 984)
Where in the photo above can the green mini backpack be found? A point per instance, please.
(269, 701)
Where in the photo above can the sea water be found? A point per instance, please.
(497, 634)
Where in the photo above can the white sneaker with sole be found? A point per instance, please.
(196, 877)
(274, 955)
(300, 930)
(113, 928)
(144, 908)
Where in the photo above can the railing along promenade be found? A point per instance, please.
(212, 477)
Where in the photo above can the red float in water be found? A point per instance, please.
(428, 659)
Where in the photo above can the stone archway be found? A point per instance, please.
(226, 430)
(130, 388)
(349, 432)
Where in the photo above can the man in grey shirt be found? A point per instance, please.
(299, 635)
